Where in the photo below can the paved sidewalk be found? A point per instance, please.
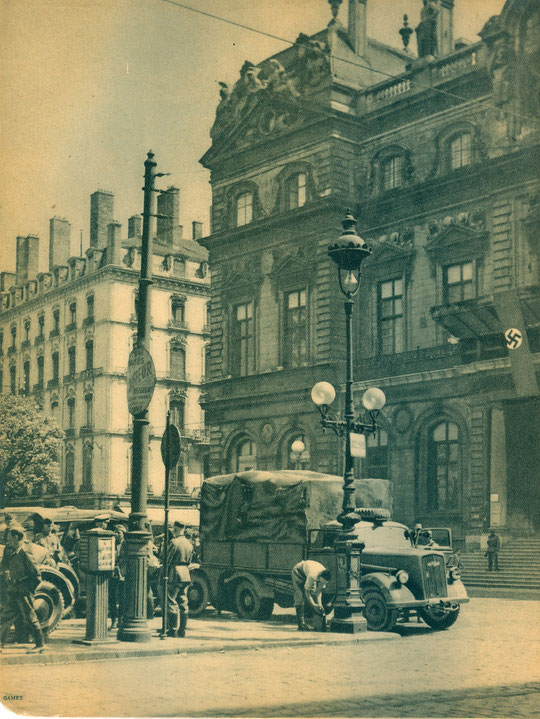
(205, 634)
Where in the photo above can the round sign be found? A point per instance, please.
(514, 338)
(170, 446)
(141, 380)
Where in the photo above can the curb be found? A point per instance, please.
(94, 654)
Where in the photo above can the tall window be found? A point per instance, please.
(13, 336)
(376, 461)
(71, 412)
(295, 335)
(1, 343)
(40, 371)
(390, 308)
(26, 372)
(297, 190)
(443, 468)
(87, 468)
(458, 282)
(393, 174)
(244, 209)
(55, 366)
(41, 326)
(245, 456)
(56, 321)
(71, 361)
(69, 477)
(13, 379)
(90, 306)
(89, 408)
(460, 151)
(243, 340)
(177, 408)
(178, 361)
(73, 313)
(177, 476)
(27, 330)
(178, 306)
(1, 379)
(89, 346)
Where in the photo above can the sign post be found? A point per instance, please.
(170, 454)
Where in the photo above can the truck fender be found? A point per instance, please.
(262, 589)
(62, 582)
(456, 590)
(392, 591)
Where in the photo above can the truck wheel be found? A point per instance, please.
(371, 513)
(438, 617)
(49, 606)
(267, 608)
(247, 602)
(379, 617)
(198, 594)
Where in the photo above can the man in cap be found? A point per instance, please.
(49, 539)
(180, 552)
(101, 521)
(309, 579)
(19, 579)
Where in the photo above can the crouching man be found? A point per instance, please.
(19, 579)
(309, 580)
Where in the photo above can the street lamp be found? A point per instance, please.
(348, 253)
(297, 449)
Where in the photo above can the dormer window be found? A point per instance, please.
(244, 209)
(460, 151)
(297, 190)
(393, 175)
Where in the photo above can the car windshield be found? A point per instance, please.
(375, 535)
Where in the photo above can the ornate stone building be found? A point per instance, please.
(437, 155)
(65, 338)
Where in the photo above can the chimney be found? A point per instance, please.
(27, 258)
(358, 26)
(135, 226)
(197, 230)
(114, 245)
(445, 28)
(168, 204)
(59, 242)
(101, 215)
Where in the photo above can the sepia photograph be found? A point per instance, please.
(270, 358)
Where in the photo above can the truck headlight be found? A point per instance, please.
(402, 577)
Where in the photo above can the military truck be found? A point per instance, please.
(255, 526)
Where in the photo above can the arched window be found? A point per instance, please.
(177, 408)
(178, 361)
(89, 354)
(71, 413)
(376, 461)
(293, 458)
(69, 471)
(89, 410)
(393, 175)
(86, 485)
(244, 209)
(460, 150)
(297, 190)
(55, 366)
(13, 379)
(244, 456)
(26, 373)
(443, 478)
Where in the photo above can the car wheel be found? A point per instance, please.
(379, 617)
(49, 606)
(267, 608)
(438, 617)
(247, 601)
(198, 594)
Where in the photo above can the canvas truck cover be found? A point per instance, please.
(279, 506)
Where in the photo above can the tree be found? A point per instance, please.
(30, 449)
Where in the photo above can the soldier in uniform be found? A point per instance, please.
(19, 579)
(309, 579)
(180, 552)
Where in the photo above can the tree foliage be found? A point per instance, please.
(30, 449)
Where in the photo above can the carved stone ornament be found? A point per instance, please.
(267, 433)
(402, 419)
(426, 30)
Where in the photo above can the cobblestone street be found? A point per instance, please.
(487, 665)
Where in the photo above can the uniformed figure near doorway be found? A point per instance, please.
(19, 579)
(180, 554)
(309, 579)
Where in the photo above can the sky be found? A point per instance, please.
(89, 86)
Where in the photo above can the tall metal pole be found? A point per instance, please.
(134, 626)
(348, 504)
(164, 601)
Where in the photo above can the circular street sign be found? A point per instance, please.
(170, 446)
(141, 380)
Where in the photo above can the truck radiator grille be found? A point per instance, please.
(434, 576)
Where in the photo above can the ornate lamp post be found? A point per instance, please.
(297, 449)
(348, 253)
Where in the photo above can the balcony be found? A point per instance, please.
(11, 350)
(38, 387)
(25, 345)
(39, 340)
(71, 327)
(88, 321)
(54, 333)
(199, 435)
(69, 432)
(86, 430)
(52, 383)
(70, 377)
(402, 363)
(178, 324)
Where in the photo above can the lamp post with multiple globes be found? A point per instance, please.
(348, 253)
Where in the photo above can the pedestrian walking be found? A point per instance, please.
(117, 580)
(19, 579)
(180, 553)
(492, 554)
(309, 579)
